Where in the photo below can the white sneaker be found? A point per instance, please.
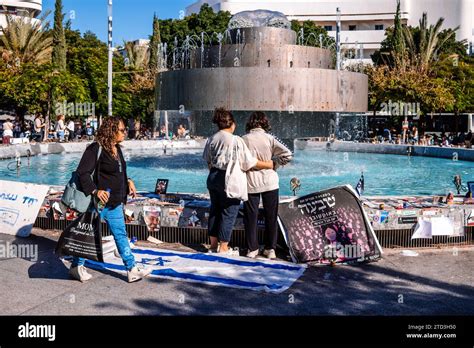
(137, 273)
(269, 254)
(80, 273)
(230, 252)
(212, 250)
(253, 254)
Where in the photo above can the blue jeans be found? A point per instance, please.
(224, 210)
(116, 222)
(61, 135)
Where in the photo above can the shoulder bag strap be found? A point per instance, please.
(235, 148)
(97, 169)
(97, 165)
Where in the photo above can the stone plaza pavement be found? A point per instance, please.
(436, 282)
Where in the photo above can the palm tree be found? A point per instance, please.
(137, 56)
(424, 43)
(25, 40)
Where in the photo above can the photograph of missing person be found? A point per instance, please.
(152, 217)
(161, 186)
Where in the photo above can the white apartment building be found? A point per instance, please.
(363, 21)
(19, 8)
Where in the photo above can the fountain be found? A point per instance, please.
(259, 64)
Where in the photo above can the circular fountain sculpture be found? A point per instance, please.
(259, 18)
(259, 66)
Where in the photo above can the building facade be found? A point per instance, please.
(363, 21)
(19, 8)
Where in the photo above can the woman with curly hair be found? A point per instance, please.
(111, 186)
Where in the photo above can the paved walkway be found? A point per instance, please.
(437, 282)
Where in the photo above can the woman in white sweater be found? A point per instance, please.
(263, 183)
(217, 153)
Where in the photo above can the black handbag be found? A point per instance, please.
(83, 237)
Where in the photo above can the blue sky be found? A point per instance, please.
(132, 18)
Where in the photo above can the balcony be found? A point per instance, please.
(371, 39)
(24, 4)
(3, 21)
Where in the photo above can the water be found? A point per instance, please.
(384, 174)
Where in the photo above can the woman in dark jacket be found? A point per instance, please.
(111, 186)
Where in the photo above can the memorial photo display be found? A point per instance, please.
(161, 186)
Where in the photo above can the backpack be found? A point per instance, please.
(73, 197)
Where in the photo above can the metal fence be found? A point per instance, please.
(387, 238)
(402, 239)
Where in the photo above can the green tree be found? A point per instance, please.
(59, 38)
(36, 88)
(458, 74)
(87, 58)
(425, 42)
(207, 21)
(398, 44)
(155, 40)
(415, 65)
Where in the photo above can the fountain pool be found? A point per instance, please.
(317, 169)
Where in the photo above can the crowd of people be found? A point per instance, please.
(73, 129)
(181, 133)
(61, 130)
(414, 137)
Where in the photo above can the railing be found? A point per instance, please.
(388, 238)
(394, 239)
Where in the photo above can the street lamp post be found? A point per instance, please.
(338, 59)
(338, 39)
(110, 59)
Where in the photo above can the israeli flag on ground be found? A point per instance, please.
(360, 185)
(213, 269)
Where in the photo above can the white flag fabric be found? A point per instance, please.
(213, 269)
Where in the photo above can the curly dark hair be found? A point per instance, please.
(107, 134)
(258, 119)
(223, 118)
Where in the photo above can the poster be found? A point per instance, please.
(19, 206)
(194, 217)
(328, 226)
(161, 186)
(170, 215)
(152, 217)
(450, 224)
(470, 217)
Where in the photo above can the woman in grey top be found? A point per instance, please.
(263, 183)
(217, 153)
